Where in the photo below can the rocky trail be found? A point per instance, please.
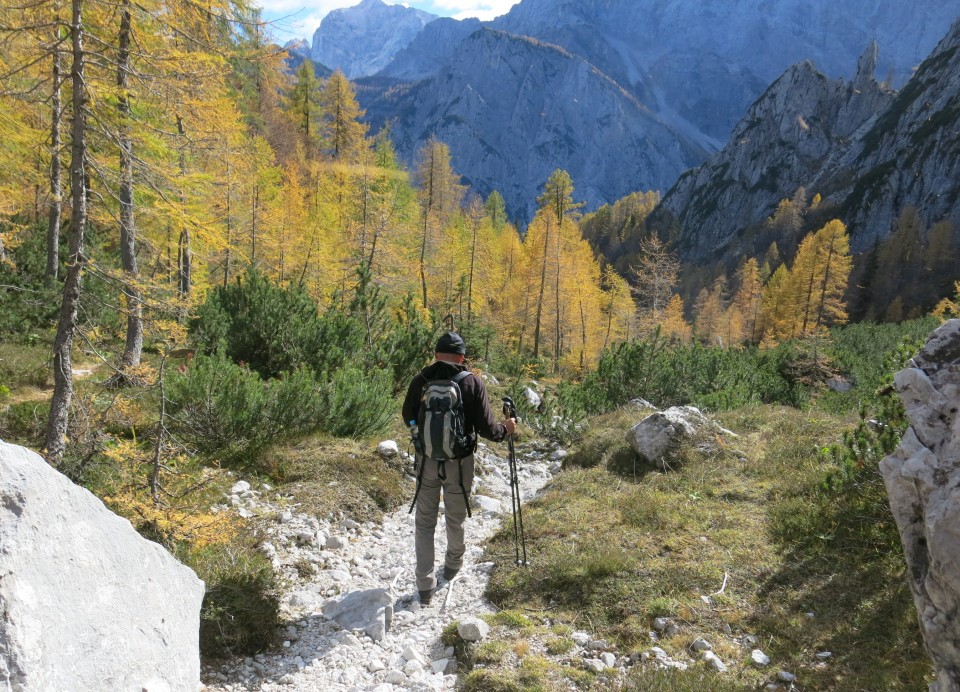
(357, 623)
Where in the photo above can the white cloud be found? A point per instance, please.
(300, 18)
(481, 9)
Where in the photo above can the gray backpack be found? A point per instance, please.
(442, 422)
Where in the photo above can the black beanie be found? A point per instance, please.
(451, 343)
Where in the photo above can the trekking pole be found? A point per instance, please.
(516, 500)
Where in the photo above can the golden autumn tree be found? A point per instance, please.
(439, 193)
(822, 270)
(655, 276)
(618, 308)
(747, 301)
(673, 324)
(342, 133)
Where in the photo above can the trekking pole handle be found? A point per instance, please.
(509, 408)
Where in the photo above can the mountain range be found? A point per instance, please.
(624, 94)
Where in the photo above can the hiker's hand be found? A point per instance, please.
(510, 424)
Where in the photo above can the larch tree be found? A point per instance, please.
(655, 276)
(747, 300)
(343, 134)
(833, 246)
(673, 324)
(439, 193)
(56, 434)
(556, 206)
(304, 107)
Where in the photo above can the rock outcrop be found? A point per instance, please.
(660, 437)
(783, 143)
(923, 483)
(86, 603)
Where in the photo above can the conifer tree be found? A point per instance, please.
(343, 133)
(440, 193)
(655, 276)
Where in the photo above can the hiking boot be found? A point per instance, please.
(450, 572)
(426, 597)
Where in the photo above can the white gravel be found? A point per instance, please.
(316, 653)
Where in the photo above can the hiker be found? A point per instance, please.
(454, 475)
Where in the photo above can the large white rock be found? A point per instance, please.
(86, 603)
(532, 398)
(486, 504)
(473, 629)
(923, 484)
(388, 449)
(659, 437)
(369, 611)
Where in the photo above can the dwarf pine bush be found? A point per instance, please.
(227, 411)
(667, 375)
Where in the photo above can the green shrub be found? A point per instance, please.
(25, 422)
(356, 403)
(29, 305)
(860, 352)
(227, 411)
(710, 378)
(241, 610)
(272, 329)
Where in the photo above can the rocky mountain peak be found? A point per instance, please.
(363, 39)
(867, 66)
(786, 139)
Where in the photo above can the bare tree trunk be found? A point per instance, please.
(226, 264)
(161, 434)
(128, 230)
(253, 226)
(62, 364)
(473, 258)
(556, 350)
(56, 176)
(423, 256)
(184, 264)
(543, 283)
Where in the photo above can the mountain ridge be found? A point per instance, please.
(870, 152)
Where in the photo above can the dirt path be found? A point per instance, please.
(318, 654)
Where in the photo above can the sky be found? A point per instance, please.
(300, 18)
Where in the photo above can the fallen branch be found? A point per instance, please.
(724, 587)
(449, 591)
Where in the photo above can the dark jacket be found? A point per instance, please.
(480, 418)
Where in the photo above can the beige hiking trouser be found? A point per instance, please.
(455, 511)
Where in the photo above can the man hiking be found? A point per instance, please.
(450, 407)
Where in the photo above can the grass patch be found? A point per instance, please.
(611, 551)
(329, 475)
(24, 366)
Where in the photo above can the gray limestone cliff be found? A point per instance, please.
(923, 483)
(431, 49)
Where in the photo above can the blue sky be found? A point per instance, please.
(300, 18)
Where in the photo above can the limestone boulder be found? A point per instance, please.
(369, 611)
(85, 601)
(659, 438)
(923, 483)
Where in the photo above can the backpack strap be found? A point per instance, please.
(460, 377)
